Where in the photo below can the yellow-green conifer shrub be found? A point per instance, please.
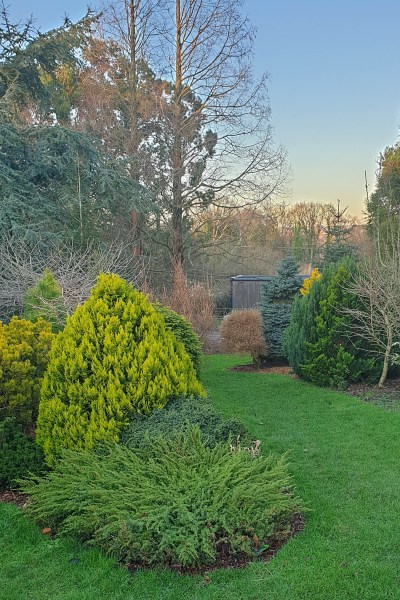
(308, 283)
(24, 350)
(114, 358)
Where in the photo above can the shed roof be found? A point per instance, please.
(252, 277)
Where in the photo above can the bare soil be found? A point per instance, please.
(387, 397)
(276, 368)
(13, 498)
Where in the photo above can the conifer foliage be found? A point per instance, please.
(24, 350)
(44, 300)
(276, 301)
(114, 358)
(184, 332)
(317, 342)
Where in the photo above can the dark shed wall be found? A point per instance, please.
(246, 291)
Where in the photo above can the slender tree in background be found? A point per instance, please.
(221, 150)
(383, 206)
(128, 29)
(338, 231)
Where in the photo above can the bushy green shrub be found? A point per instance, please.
(317, 342)
(242, 332)
(19, 454)
(302, 326)
(183, 331)
(174, 502)
(275, 305)
(114, 358)
(174, 418)
(44, 300)
(24, 350)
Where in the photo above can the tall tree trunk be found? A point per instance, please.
(386, 358)
(134, 116)
(177, 165)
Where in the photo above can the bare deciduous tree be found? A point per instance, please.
(22, 266)
(376, 319)
(221, 151)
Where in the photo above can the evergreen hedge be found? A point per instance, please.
(318, 340)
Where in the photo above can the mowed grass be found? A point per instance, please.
(345, 459)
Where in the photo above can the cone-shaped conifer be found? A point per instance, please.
(114, 358)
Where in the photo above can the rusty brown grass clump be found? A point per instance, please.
(193, 301)
(241, 332)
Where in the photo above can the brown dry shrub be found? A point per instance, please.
(194, 302)
(241, 332)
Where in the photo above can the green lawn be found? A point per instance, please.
(345, 457)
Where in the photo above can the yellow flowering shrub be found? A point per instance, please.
(114, 358)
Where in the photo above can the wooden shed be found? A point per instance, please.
(246, 290)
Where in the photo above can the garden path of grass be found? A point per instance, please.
(345, 458)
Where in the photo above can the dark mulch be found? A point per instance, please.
(228, 561)
(13, 498)
(387, 397)
(278, 368)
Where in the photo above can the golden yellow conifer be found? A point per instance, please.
(114, 358)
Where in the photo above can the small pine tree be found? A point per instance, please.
(114, 358)
(301, 328)
(44, 300)
(337, 245)
(276, 301)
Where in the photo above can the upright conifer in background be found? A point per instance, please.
(318, 342)
(276, 302)
(44, 300)
(114, 358)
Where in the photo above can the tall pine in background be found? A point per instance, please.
(276, 302)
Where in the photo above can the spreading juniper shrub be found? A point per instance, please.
(174, 502)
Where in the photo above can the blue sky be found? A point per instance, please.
(334, 85)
